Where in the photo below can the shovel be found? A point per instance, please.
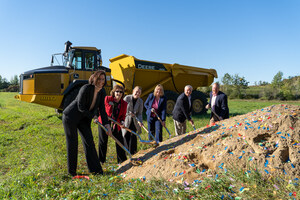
(131, 131)
(137, 119)
(194, 127)
(133, 161)
(161, 122)
(216, 114)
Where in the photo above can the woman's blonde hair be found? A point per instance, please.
(162, 89)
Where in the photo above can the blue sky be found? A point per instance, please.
(252, 38)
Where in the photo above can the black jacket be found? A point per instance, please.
(79, 108)
(221, 105)
(182, 109)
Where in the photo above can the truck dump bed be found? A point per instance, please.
(147, 74)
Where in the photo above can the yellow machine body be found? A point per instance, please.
(147, 74)
(56, 86)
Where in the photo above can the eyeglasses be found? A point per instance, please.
(118, 91)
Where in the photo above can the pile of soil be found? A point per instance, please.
(267, 140)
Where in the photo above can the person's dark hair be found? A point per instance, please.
(93, 78)
(117, 87)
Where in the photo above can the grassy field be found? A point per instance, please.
(33, 163)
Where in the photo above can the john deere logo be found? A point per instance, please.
(75, 76)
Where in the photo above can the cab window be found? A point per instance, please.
(77, 60)
(89, 61)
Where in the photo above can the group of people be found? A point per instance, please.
(92, 104)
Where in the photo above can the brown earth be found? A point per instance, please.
(267, 140)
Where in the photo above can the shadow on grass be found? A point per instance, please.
(235, 114)
(164, 147)
(59, 116)
(202, 116)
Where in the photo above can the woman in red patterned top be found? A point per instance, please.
(115, 108)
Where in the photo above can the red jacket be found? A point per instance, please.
(109, 109)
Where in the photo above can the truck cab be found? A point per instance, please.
(57, 85)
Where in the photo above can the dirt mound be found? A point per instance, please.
(267, 140)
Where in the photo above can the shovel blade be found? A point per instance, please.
(136, 162)
(148, 142)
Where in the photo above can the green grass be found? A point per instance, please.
(238, 107)
(33, 163)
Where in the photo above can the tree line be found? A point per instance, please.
(9, 86)
(235, 86)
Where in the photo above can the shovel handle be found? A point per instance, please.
(137, 119)
(140, 139)
(194, 127)
(144, 127)
(115, 139)
(119, 124)
(215, 114)
(162, 123)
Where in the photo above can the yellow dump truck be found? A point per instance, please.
(174, 77)
(56, 86)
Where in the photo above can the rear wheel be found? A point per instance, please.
(199, 102)
(171, 100)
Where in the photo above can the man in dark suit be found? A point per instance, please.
(218, 104)
(182, 110)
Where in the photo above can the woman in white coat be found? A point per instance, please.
(134, 107)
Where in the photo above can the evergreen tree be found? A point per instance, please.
(3, 83)
(14, 80)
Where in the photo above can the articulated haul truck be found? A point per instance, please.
(57, 85)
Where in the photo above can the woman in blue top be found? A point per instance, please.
(157, 102)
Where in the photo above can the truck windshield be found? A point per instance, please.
(77, 60)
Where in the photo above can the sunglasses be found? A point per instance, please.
(118, 91)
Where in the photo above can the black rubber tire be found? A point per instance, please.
(199, 101)
(68, 98)
(171, 100)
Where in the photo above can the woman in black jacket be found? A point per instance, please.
(78, 115)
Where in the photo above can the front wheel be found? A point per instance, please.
(199, 102)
